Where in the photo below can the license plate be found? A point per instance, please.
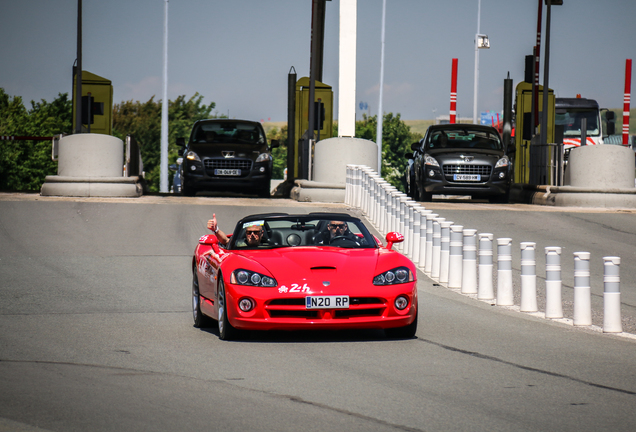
(327, 302)
(466, 177)
(227, 172)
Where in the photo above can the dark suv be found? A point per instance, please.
(224, 154)
(460, 159)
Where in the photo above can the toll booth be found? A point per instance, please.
(97, 104)
(524, 144)
(323, 98)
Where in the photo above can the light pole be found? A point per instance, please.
(546, 69)
(481, 41)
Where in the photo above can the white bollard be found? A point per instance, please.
(582, 290)
(417, 220)
(455, 256)
(382, 208)
(437, 247)
(423, 213)
(485, 289)
(469, 262)
(428, 266)
(528, 277)
(553, 297)
(505, 295)
(444, 251)
(612, 295)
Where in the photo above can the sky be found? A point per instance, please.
(237, 53)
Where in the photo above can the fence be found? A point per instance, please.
(447, 252)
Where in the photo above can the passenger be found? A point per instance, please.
(253, 234)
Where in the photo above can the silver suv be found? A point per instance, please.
(460, 159)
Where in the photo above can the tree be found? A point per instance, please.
(143, 122)
(396, 141)
(279, 154)
(25, 164)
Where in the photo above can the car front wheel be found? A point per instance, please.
(406, 332)
(226, 330)
(200, 320)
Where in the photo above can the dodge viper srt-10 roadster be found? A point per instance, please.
(321, 271)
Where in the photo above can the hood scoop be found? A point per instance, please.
(323, 268)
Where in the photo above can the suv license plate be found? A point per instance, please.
(227, 172)
(466, 177)
(327, 302)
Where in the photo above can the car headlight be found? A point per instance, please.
(430, 160)
(264, 157)
(398, 275)
(250, 278)
(193, 156)
(503, 162)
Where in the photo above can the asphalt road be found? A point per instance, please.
(96, 334)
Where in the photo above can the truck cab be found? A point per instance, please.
(569, 113)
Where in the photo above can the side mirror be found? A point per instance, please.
(609, 115)
(210, 240)
(274, 143)
(393, 237)
(181, 142)
(415, 146)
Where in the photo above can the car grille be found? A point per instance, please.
(295, 308)
(242, 164)
(482, 170)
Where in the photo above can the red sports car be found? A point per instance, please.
(303, 271)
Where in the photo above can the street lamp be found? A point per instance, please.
(546, 69)
(481, 42)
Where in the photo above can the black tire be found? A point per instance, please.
(226, 330)
(200, 320)
(265, 191)
(425, 196)
(406, 332)
(500, 199)
(187, 191)
(413, 192)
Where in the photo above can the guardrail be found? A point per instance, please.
(447, 253)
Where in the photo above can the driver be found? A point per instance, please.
(337, 230)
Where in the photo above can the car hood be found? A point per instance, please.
(222, 149)
(315, 265)
(468, 157)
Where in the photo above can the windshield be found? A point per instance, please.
(571, 121)
(228, 131)
(462, 139)
(295, 231)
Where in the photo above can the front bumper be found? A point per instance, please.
(289, 313)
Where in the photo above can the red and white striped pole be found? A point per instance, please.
(453, 95)
(628, 89)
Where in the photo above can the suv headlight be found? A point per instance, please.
(246, 277)
(264, 157)
(398, 275)
(503, 162)
(192, 156)
(430, 160)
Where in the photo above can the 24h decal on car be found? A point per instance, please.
(295, 288)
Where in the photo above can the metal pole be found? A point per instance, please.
(163, 187)
(291, 125)
(476, 83)
(380, 109)
(535, 81)
(546, 70)
(78, 73)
